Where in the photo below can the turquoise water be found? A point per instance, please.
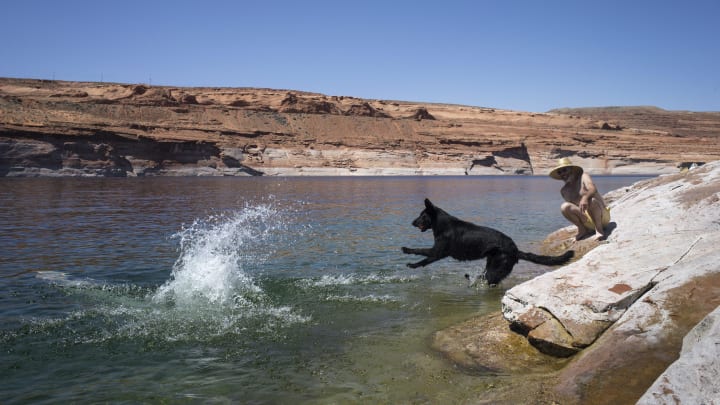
(250, 290)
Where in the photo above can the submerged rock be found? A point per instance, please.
(484, 344)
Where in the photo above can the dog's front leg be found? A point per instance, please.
(420, 251)
(431, 254)
(423, 262)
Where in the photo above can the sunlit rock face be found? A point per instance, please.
(102, 129)
(658, 226)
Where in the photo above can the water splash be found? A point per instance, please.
(355, 279)
(210, 293)
(371, 298)
(213, 255)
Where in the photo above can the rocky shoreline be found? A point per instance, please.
(609, 327)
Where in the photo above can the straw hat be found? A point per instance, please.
(564, 162)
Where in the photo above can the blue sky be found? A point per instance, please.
(519, 55)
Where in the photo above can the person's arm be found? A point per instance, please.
(589, 191)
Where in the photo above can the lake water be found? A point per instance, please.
(253, 289)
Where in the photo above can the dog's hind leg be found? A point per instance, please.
(498, 266)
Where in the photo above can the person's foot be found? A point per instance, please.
(582, 234)
(599, 236)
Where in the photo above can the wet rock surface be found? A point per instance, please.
(484, 344)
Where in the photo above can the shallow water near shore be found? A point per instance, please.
(265, 290)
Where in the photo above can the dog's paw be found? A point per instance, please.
(405, 250)
(412, 265)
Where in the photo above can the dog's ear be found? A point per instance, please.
(429, 206)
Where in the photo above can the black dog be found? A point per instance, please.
(463, 240)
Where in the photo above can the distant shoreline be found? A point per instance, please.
(27, 172)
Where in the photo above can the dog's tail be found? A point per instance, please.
(547, 260)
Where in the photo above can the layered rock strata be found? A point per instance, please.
(74, 128)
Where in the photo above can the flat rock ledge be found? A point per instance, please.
(619, 314)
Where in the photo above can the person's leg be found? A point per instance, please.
(573, 214)
(596, 212)
(606, 217)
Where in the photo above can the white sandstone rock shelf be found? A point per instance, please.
(623, 309)
(610, 325)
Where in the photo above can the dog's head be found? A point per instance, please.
(426, 219)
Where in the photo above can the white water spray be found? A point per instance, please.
(210, 293)
(213, 254)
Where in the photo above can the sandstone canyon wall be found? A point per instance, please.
(103, 129)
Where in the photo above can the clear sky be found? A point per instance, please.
(521, 55)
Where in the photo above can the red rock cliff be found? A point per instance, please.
(73, 128)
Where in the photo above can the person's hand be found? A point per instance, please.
(583, 204)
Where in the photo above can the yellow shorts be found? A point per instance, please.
(605, 219)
